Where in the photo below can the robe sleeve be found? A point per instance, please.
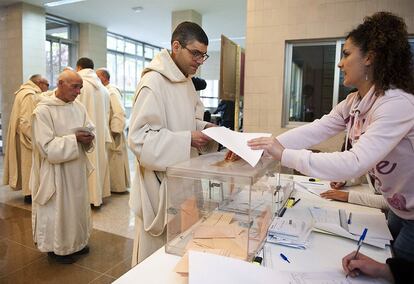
(155, 146)
(25, 127)
(54, 148)
(117, 121)
(387, 129)
(313, 133)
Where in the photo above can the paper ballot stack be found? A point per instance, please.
(289, 232)
(336, 221)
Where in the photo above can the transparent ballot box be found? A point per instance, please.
(220, 205)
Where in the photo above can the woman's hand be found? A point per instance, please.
(270, 145)
(335, 195)
(337, 184)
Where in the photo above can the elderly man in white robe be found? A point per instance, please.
(165, 129)
(95, 97)
(62, 134)
(117, 152)
(18, 155)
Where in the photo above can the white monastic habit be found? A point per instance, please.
(117, 154)
(166, 109)
(18, 157)
(95, 97)
(59, 182)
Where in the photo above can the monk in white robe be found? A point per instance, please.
(117, 153)
(62, 134)
(18, 155)
(95, 97)
(165, 129)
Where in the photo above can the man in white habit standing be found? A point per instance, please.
(18, 156)
(165, 128)
(117, 152)
(95, 97)
(62, 134)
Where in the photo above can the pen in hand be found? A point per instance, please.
(361, 239)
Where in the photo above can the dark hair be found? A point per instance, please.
(199, 83)
(36, 77)
(187, 32)
(85, 62)
(105, 72)
(385, 35)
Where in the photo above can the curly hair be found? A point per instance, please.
(385, 35)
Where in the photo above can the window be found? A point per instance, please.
(126, 59)
(60, 46)
(310, 80)
(313, 82)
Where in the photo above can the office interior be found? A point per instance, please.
(291, 49)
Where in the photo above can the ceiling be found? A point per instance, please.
(153, 23)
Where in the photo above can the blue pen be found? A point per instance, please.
(361, 239)
(284, 257)
(349, 218)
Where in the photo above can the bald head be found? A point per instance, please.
(103, 75)
(40, 81)
(69, 85)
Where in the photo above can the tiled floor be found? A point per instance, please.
(110, 244)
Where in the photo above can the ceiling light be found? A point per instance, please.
(61, 2)
(137, 9)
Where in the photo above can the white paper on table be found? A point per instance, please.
(333, 277)
(315, 187)
(329, 220)
(237, 142)
(205, 268)
(376, 223)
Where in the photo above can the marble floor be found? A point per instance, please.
(110, 243)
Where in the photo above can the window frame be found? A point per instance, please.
(288, 69)
(72, 42)
(138, 58)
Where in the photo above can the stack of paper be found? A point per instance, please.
(335, 221)
(289, 232)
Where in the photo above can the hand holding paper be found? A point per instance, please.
(237, 142)
(270, 145)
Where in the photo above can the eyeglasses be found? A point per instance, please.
(197, 55)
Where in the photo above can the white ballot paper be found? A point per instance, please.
(205, 268)
(237, 142)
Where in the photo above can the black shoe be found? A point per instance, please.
(85, 250)
(28, 199)
(63, 259)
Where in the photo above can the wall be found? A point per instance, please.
(92, 43)
(270, 23)
(22, 51)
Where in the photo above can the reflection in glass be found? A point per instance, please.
(120, 71)
(311, 81)
(149, 52)
(111, 43)
(55, 62)
(130, 75)
(129, 47)
(48, 61)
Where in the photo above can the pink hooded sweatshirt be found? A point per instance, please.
(382, 133)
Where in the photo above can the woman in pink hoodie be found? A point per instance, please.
(379, 119)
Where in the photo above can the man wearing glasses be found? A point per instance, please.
(165, 129)
(18, 154)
